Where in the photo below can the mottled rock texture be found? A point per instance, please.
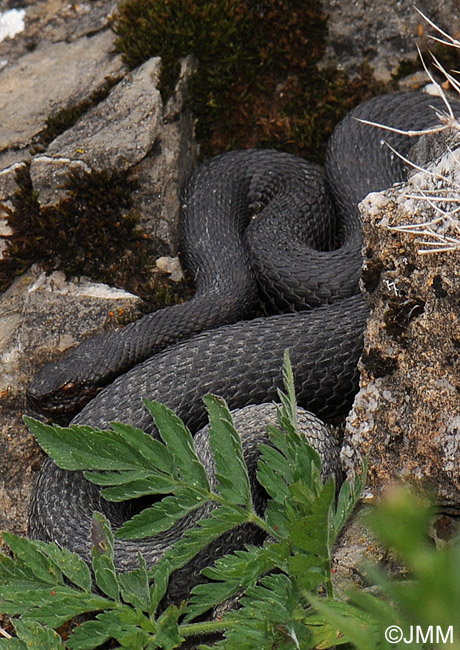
(50, 78)
(385, 34)
(40, 316)
(129, 128)
(406, 417)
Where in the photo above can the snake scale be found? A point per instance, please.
(233, 206)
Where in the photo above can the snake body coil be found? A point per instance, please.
(232, 207)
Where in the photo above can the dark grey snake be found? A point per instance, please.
(232, 206)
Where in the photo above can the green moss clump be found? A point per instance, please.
(91, 231)
(257, 83)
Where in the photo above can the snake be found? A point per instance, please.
(254, 223)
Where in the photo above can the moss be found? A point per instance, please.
(449, 57)
(257, 83)
(92, 231)
(378, 364)
(407, 67)
(399, 314)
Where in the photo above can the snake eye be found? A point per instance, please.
(69, 388)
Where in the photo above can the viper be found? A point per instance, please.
(256, 222)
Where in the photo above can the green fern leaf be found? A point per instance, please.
(179, 443)
(37, 637)
(163, 515)
(102, 557)
(231, 470)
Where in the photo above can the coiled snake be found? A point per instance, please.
(232, 207)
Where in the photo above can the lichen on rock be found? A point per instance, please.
(405, 417)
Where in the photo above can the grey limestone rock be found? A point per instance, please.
(40, 316)
(383, 33)
(49, 78)
(406, 414)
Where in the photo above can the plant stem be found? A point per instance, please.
(205, 627)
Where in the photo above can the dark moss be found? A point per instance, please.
(439, 290)
(257, 83)
(407, 67)
(399, 314)
(92, 231)
(370, 275)
(448, 57)
(377, 364)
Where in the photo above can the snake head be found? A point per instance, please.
(63, 387)
(54, 392)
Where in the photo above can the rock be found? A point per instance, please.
(115, 134)
(65, 53)
(164, 171)
(383, 34)
(50, 78)
(52, 21)
(405, 416)
(120, 130)
(40, 316)
(11, 23)
(172, 266)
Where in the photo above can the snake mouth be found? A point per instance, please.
(59, 403)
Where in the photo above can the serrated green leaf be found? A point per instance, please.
(288, 399)
(270, 616)
(135, 587)
(179, 442)
(25, 596)
(119, 624)
(277, 519)
(246, 566)
(71, 564)
(219, 521)
(309, 571)
(306, 462)
(279, 440)
(10, 570)
(13, 644)
(346, 623)
(37, 637)
(32, 561)
(349, 496)
(233, 573)
(161, 516)
(311, 533)
(167, 634)
(205, 596)
(144, 487)
(116, 478)
(102, 556)
(159, 587)
(289, 460)
(155, 453)
(89, 635)
(231, 470)
(50, 605)
(80, 447)
(273, 473)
